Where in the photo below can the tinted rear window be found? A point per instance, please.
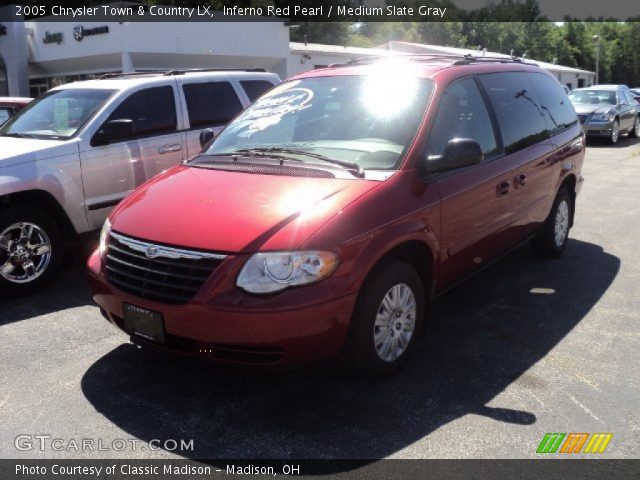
(255, 88)
(211, 104)
(520, 114)
(556, 106)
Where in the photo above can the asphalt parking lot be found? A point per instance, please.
(524, 348)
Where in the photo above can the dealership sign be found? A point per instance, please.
(57, 38)
(80, 32)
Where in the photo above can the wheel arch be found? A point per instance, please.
(417, 254)
(44, 201)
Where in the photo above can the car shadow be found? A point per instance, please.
(68, 290)
(483, 336)
(624, 141)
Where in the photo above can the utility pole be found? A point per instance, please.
(596, 38)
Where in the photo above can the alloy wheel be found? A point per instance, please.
(615, 132)
(25, 252)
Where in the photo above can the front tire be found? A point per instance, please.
(386, 321)
(31, 250)
(635, 131)
(615, 133)
(552, 238)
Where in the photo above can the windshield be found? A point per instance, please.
(368, 120)
(594, 97)
(58, 114)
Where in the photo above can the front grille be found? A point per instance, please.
(157, 272)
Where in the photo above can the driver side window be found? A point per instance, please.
(462, 113)
(153, 111)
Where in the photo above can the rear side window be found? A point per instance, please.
(462, 114)
(520, 115)
(211, 104)
(626, 95)
(255, 88)
(153, 111)
(556, 106)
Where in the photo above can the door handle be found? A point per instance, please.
(503, 188)
(173, 147)
(520, 179)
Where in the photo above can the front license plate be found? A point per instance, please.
(143, 322)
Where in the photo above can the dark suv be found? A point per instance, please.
(322, 219)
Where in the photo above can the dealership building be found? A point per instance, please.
(38, 55)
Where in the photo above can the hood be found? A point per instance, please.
(231, 212)
(14, 150)
(588, 109)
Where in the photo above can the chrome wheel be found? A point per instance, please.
(25, 252)
(561, 227)
(395, 322)
(615, 132)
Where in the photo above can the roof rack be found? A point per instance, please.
(459, 59)
(468, 58)
(177, 72)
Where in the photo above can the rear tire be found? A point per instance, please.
(552, 238)
(387, 320)
(31, 250)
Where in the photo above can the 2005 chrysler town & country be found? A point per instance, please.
(321, 221)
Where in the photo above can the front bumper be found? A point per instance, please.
(597, 129)
(225, 324)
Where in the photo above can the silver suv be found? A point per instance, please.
(74, 153)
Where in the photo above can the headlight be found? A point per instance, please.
(104, 237)
(602, 117)
(274, 271)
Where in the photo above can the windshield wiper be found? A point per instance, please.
(293, 151)
(17, 135)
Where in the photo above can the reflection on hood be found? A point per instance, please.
(587, 109)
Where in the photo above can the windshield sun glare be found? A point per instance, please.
(365, 120)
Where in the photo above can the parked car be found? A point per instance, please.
(325, 217)
(74, 153)
(9, 106)
(607, 111)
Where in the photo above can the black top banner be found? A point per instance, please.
(297, 11)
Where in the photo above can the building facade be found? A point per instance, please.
(38, 55)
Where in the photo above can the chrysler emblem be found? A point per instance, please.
(151, 251)
(78, 33)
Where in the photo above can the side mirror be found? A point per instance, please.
(206, 136)
(459, 152)
(114, 130)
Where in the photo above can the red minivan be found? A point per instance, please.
(324, 218)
